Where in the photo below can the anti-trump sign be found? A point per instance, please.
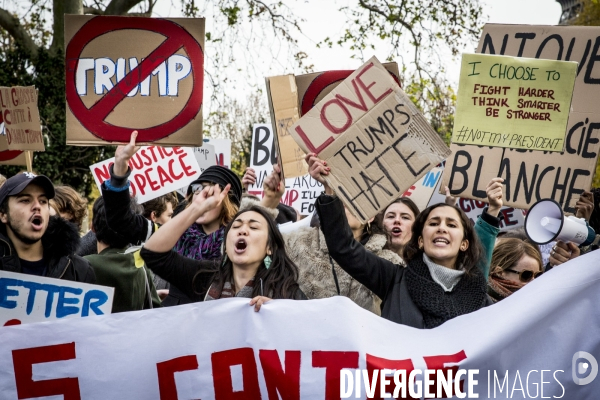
(373, 138)
(540, 342)
(155, 171)
(131, 73)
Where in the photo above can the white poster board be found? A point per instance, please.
(29, 298)
(155, 171)
(300, 192)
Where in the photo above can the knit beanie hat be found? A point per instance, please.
(221, 176)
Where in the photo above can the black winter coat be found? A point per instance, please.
(60, 241)
(384, 278)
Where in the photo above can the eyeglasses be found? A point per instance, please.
(525, 275)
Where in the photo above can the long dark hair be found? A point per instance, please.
(280, 281)
(469, 259)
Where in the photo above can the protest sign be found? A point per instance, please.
(132, 73)
(222, 151)
(520, 103)
(290, 97)
(282, 95)
(155, 171)
(422, 190)
(534, 175)
(21, 117)
(512, 218)
(314, 347)
(300, 192)
(373, 138)
(11, 157)
(29, 298)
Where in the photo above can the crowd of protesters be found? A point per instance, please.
(414, 267)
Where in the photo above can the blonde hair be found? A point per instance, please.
(228, 210)
(67, 200)
(508, 252)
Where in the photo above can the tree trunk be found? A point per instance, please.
(60, 8)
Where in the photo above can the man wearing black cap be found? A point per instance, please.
(31, 241)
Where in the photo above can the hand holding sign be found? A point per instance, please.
(273, 188)
(123, 154)
(249, 178)
(318, 169)
(585, 205)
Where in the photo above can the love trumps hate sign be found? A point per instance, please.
(375, 140)
(519, 103)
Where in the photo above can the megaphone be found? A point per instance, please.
(546, 221)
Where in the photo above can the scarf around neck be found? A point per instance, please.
(214, 293)
(437, 305)
(196, 244)
(499, 288)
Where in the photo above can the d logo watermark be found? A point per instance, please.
(582, 367)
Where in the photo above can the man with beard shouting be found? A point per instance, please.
(32, 242)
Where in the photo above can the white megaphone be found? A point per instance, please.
(546, 221)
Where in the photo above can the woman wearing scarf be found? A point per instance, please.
(254, 264)
(515, 263)
(444, 259)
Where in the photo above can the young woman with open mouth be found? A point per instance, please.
(255, 264)
(443, 277)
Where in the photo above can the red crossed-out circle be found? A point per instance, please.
(325, 79)
(93, 118)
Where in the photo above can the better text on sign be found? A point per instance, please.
(513, 102)
(19, 109)
(374, 139)
(29, 298)
(126, 73)
(308, 346)
(155, 171)
(530, 175)
(301, 192)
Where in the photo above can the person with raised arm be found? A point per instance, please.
(254, 263)
(443, 277)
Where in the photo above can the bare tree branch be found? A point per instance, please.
(11, 24)
(92, 10)
(120, 7)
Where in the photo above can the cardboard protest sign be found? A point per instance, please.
(21, 117)
(374, 139)
(11, 157)
(300, 192)
(222, 151)
(290, 97)
(534, 175)
(30, 298)
(512, 217)
(283, 106)
(520, 103)
(155, 171)
(131, 73)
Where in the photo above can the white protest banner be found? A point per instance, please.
(375, 140)
(155, 171)
(537, 343)
(29, 298)
(222, 150)
(534, 175)
(300, 192)
(19, 110)
(126, 73)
